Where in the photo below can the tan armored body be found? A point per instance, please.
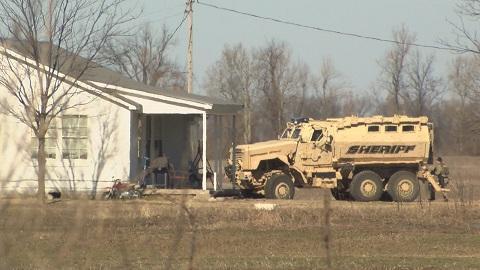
(356, 157)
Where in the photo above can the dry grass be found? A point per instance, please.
(233, 235)
(185, 234)
(465, 178)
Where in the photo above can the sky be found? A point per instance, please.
(357, 59)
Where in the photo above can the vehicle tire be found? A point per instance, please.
(366, 186)
(136, 194)
(279, 186)
(403, 186)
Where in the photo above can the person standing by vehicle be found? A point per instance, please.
(440, 171)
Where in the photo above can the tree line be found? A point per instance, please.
(274, 88)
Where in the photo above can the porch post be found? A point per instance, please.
(234, 154)
(204, 151)
(135, 121)
(216, 146)
(143, 138)
(220, 171)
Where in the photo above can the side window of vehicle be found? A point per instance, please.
(408, 128)
(390, 128)
(373, 128)
(317, 135)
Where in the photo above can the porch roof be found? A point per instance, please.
(114, 83)
(105, 78)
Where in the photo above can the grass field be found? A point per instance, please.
(181, 233)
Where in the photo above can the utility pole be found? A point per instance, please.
(193, 128)
(190, 45)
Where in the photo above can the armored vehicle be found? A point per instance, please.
(359, 158)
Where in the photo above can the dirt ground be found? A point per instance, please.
(180, 233)
(184, 233)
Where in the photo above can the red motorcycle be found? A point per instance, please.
(122, 190)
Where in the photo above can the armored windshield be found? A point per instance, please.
(296, 133)
(291, 134)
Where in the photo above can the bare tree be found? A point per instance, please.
(299, 101)
(265, 81)
(48, 46)
(462, 77)
(232, 77)
(463, 84)
(328, 89)
(356, 104)
(394, 67)
(467, 40)
(279, 81)
(423, 87)
(145, 57)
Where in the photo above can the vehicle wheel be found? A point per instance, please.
(136, 194)
(279, 186)
(403, 186)
(366, 186)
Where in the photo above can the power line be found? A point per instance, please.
(178, 27)
(329, 30)
(164, 18)
(145, 22)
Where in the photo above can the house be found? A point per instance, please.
(116, 123)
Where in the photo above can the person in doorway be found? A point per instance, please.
(160, 164)
(440, 171)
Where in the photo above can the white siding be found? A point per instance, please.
(108, 151)
(110, 137)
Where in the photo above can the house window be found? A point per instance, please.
(408, 128)
(373, 128)
(74, 136)
(390, 128)
(50, 142)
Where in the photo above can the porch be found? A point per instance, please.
(186, 141)
(194, 133)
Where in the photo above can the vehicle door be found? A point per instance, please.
(316, 151)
